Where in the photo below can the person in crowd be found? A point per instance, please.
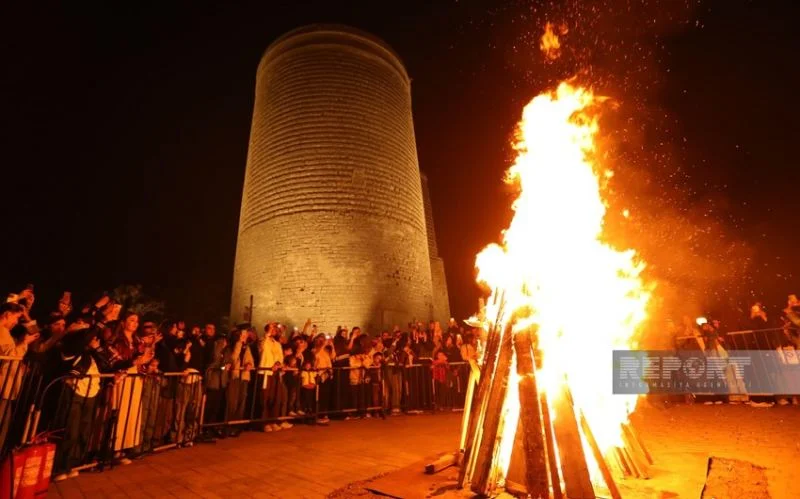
(240, 359)
(78, 362)
(394, 375)
(216, 374)
(323, 375)
(308, 389)
(440, 378)
(291, 378)
(341, 383)
(407, 360)
(12, 370)
(469, 349)
(151, 386)
(452, 327)
(274, 392)
(451, 349)
(127, 401)
(376, 383)
(360, 361)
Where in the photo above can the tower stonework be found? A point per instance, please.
(441, 299)
(333, 223)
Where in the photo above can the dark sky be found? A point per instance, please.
(125, 130)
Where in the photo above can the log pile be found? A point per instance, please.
(548, 458)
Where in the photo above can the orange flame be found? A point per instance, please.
(549, 43)
(586, 297)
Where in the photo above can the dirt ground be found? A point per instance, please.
(755, 451)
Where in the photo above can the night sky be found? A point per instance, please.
(125, 131)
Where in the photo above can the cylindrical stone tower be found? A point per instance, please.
(332, 225)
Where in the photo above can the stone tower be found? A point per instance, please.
(332, 224)
(441, 299)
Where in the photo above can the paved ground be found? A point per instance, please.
(312, 461)
(302, 462)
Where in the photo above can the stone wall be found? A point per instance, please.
(332, 224)
(441, 299)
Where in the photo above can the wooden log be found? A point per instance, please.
(477, 407)
(629, 460)
(442, 462)
(535, 476)
(516, 467)
(487, 449)
(552, 464)
(622, 462)
(472, 381)
(638, 459)
(601, 461)
(628, 429)
(577, 484)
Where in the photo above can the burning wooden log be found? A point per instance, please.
(577, 483)
(488, 448)
(637, 458)
(628, 429)
(477, 409)
(552, 464)
(530, 418)
(601, 462)
(534, 468)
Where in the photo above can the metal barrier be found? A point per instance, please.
(102, 420)
(105, 419)
(768, 339)
(19, 384)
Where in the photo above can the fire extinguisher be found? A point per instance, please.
(25, 473)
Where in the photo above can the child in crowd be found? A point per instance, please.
(308, 379)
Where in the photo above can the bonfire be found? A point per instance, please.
(543, 419)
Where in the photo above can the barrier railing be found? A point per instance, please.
(767, 339)
(101, 420)
(19, 384)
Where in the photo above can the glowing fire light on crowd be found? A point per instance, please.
(579, 296)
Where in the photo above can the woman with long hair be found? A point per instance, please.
(127, 398)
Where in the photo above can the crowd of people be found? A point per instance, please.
(117, 386)
(779, 333)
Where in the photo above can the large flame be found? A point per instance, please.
(586, 297)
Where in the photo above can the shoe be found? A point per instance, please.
(188, 444)
(292, 413)
(783, 402)
(395, 412)
(367, 416)
(286, 425)
(73, 474)
(301, 413)
(60, 477)
(268, 428)
(348, 418)
(323, 421)
(708, 402)
(276, 427)
(796, 400)
(124, 461)
(761, 404)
